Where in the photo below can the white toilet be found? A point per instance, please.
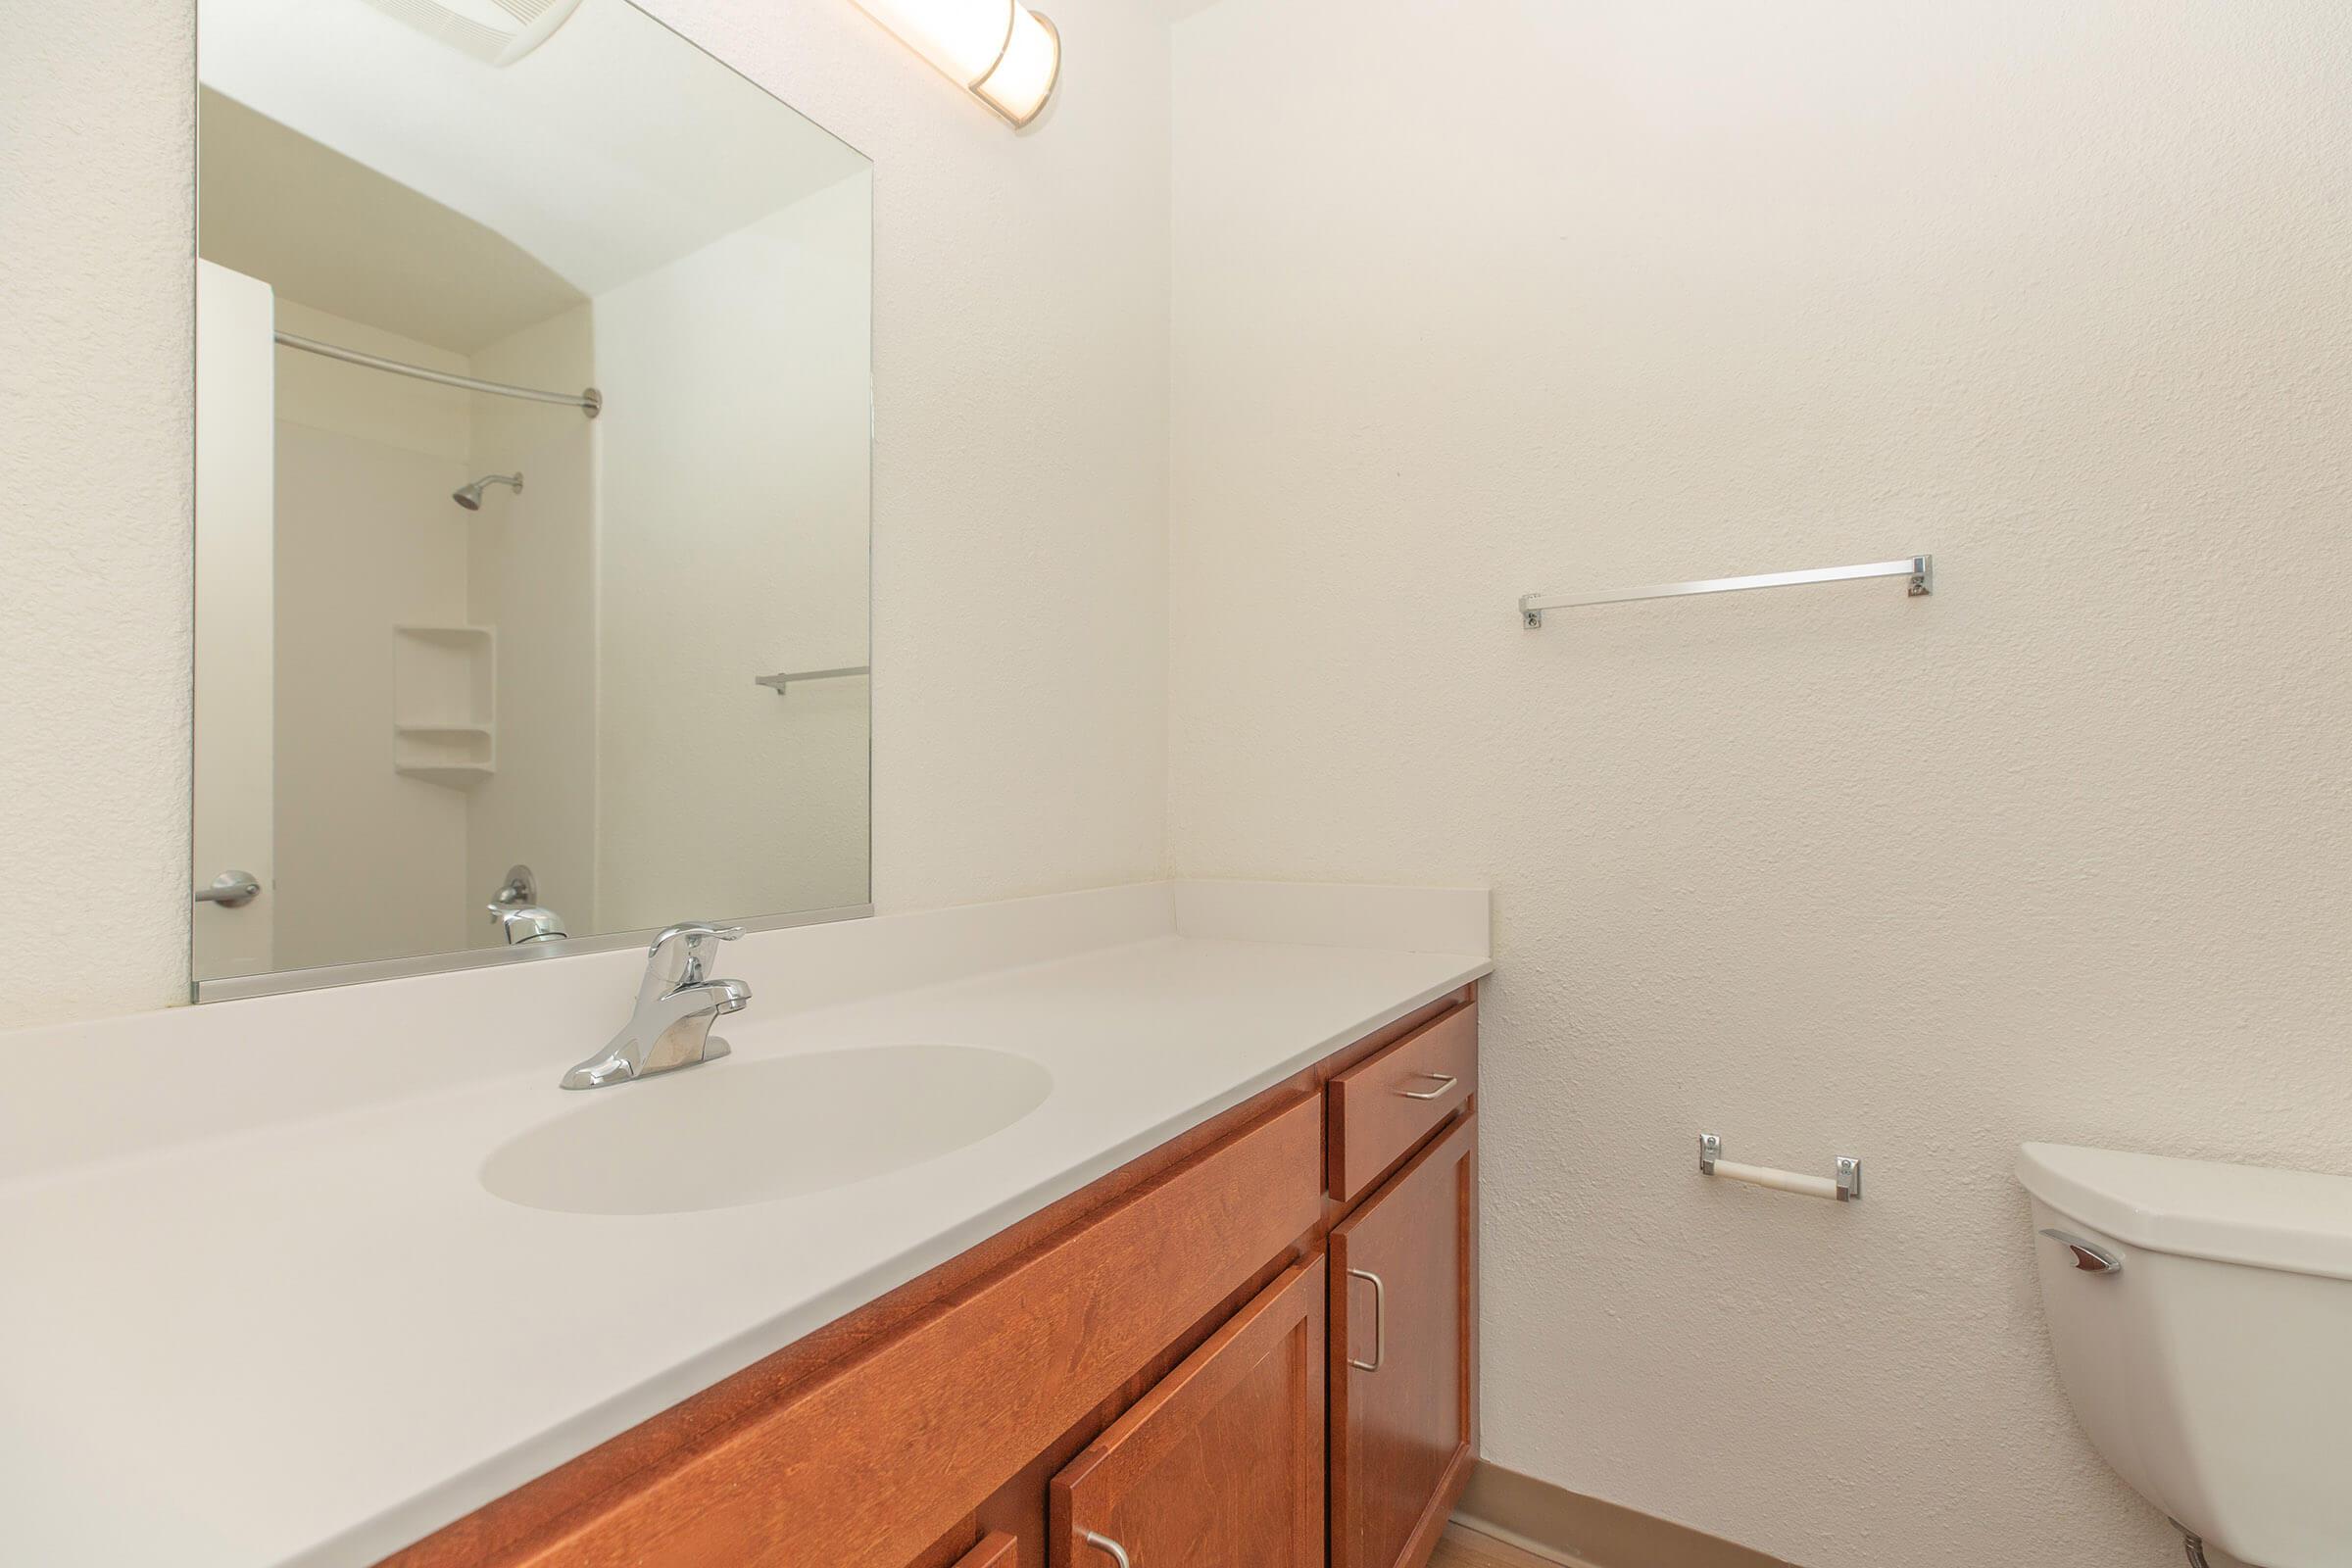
(2202, 1317)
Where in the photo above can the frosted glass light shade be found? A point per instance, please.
(1024, 79)
(1000, 51)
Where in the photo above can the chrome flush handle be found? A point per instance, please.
(2088, 1258)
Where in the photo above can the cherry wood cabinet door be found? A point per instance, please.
(1221, 1465)
(1404, 1358)
(997, 1551)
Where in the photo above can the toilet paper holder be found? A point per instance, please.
(1846, 1187)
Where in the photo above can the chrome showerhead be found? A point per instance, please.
(470, 497)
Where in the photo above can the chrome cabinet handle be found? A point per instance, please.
(2091, 1259)
(1446, 1083)
(1107, 1548)
(1380, 1321)
(232, 889)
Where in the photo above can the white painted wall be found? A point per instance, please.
(1476, 298)
(734, 493)
(96, 458)
(1020, 480)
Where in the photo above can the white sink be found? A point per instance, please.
(734, 1132)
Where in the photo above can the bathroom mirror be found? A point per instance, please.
(533, 413)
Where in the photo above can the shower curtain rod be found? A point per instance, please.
(590, 402)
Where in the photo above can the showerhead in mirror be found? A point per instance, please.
(470, 497)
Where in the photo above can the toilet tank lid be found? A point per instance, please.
(2284, 1219)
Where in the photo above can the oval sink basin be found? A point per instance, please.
(735, 1132)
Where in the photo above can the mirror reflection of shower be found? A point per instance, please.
(470, 495)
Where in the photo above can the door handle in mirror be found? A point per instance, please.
(232, 889)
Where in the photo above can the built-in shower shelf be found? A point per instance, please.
(442, 732)
(444, 686)
(457, 776)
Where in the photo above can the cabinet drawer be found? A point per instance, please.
(997, 1551)
(1381, 1108)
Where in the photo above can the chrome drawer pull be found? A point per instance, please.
(1108, 1547)
(1380, 1321)
(1446, 1083)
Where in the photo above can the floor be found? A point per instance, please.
(1462, 1547)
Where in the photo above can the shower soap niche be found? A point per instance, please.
(444, 730)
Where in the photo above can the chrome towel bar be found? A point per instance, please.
(1920, 569)
(1846, 1186)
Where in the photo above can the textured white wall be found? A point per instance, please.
(1476, 298)
(96, 451)
(1020, 501)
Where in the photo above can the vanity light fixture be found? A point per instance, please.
(1000, 51)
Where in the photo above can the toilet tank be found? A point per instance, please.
(2214, 1368)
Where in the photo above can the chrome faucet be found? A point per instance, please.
(676, 1005)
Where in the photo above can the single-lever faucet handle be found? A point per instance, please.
(693, 940)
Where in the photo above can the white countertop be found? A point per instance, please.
(314, 1338)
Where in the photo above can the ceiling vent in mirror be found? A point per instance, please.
(496, 32)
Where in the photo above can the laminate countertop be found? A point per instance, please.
(308, 1333)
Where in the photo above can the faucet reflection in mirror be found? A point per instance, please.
(1000, 51)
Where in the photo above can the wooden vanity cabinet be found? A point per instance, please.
(1404, 1358)
(1162, 1360)
(1222, 1463)
(998, 1550)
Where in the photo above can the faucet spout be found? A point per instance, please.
(670, 1026)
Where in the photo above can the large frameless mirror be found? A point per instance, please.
(533, 405)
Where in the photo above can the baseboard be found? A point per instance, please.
(1543, 1518)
